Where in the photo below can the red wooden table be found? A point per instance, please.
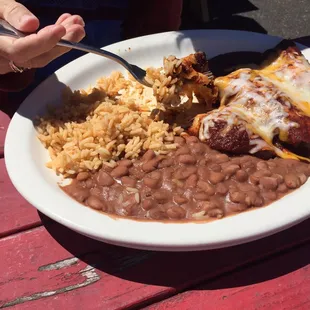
(44, 265)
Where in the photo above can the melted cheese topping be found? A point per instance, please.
(261, 99)
(222, 114)
(255, 100)
(262, 107)
(290, 73)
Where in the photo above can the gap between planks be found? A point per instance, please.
(286, 287)
(156, 300)
(133, 273)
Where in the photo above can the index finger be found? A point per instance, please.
(18, 16)
(23, 49)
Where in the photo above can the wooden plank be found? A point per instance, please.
(282, 282)
(16, 213)
(55, 268)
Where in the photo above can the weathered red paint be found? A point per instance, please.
(4, 123)
(39, 269)
(281, 282)
(16, 213)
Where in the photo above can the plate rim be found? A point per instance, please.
(142, 244)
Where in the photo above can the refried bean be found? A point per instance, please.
(192, 183)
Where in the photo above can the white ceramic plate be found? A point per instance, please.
(25, 156)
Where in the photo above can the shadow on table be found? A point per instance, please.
(188, 269)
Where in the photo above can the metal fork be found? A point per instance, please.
(139, 74)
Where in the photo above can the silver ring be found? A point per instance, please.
(15, 68)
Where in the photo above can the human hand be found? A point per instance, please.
(35, 50)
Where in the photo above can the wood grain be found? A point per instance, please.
(287, 287)
(16, 213)
(55, 268)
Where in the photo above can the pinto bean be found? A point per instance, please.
(80, 194)
(282, 188)
(216, 168)
(270, 195)
(248, 165)
(136, 172)
(183, 150)
(106, 168)
(202, 162)
(89, 183)
(95, 191)
(269, 183)
(191, 139)
(150, 165)
(252, 199)
(147, 204)
(129, 181)
(151, 182)
(187, 159)
(302, 178)
(95, 203)
(236, 207)
(201, 196)
(176, 213)
(237, 197)
(235, 161)
(279, 178)
(180, 200)
(231, 170)
(179, 140)
(256, 176)
(292, 181)
(198, 148)
(216, 177)
(162, 195)
(125, 162)
(184, 172)
(241, 176)
(208, 205)
(262, 165)
(105, 179)
(119, 171)
(83, 176)
(166, 163)
(203, 172)
(307, 171)
(271, 164)
(221, 158)
(206, 187)
(246, 158)
(191, 181)
(148, 155)
(221, 189)
(157, 214)
(216, 212)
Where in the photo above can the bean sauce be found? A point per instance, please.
(192, 183)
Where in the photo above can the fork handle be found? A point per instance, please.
(94, 50)
(8, 30)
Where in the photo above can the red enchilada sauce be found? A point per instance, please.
(192, 183)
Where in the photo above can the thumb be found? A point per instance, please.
(18, 16)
